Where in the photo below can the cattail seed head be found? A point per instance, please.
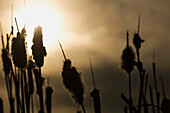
(137, 41)
(38, 50)
(128, 60)
(165, 105)
(72, 81)
(19, 51)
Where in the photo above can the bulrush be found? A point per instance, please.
(72, 81)
(128, 58)
(95, 93)
(19, 51)
(38, 50)
(128, 61)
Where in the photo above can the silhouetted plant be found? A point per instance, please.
(95, 93)
(19, 51)
(72, 81)
(128, 62)
(142, 100)
(38, 50)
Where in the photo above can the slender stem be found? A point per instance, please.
(130, 95)
(27, 97)
(22, 92)
(151, 98)
(84, 111)
(146, 84)
(140, 92)
(41, 93)
(92, 74)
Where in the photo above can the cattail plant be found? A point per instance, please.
(19, 50)
(7, 70)
(128, 61)
(30, 67)
(39, 51)
(19, 56)
(72, 81)
(95, 93)
(137, 43)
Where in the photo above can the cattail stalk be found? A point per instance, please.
(27, 97)
(84, 111)
(146, 84)
(95, 93)
(22, 92)
(128, 61)
(72, 81)
(151, 98)
(155, 81)
(41, 94)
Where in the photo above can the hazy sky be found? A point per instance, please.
(96, 29)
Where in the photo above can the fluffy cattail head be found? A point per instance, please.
(38, 50)
(137, 41)
(128, 60)
(37, 39)
(165, 105)
(67, 64)
(19, 51)
(72, 81)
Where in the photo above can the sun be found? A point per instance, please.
(41, 13)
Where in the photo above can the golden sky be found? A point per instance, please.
(96, 29)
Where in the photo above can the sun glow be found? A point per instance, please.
(41, 13)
